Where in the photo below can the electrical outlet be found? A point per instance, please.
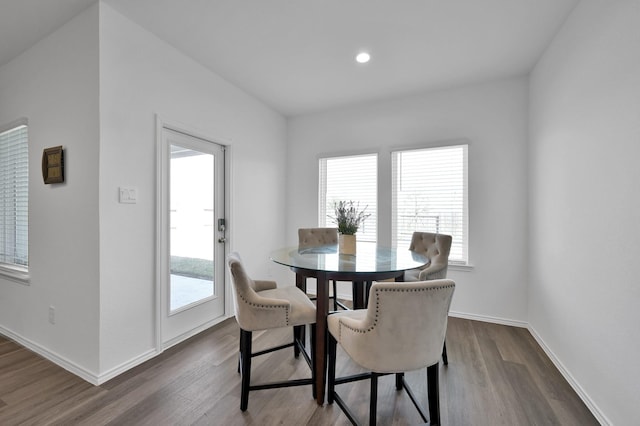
(52, 315)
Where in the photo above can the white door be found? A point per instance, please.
(191, 254)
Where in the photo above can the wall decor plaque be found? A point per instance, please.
(53, 165)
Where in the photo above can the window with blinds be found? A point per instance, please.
(350, 178)
(429, 194)
(14, 197)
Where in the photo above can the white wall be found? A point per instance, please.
(493, 118)
(95, 87)
(585, 205)
(55, 86)
(141, 76)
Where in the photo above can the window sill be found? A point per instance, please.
(21, 277)
(460, 267)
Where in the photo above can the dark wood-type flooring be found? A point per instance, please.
(497, 375)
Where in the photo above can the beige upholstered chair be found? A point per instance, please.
(315, 237)
(402, 329)
(436, 248)
(261, 305)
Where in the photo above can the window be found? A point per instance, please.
(14, 198)
(350, 178)
(429, 194)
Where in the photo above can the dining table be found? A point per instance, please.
(371, 262)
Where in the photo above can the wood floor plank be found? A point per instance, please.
(7, 346)
(16, 359)
(85, 413)
(66, 403)
(509, 411)
(43, 403)
(464, 352)
(497, 375)
(40, 390)
(21, 375)
(535, 407)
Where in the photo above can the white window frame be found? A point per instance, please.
(16, 193)
(369, 232)
(455, 205)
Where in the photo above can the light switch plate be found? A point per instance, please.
(128, 195)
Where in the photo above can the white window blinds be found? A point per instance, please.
(429, 194)
(350, 178)
(14, 196)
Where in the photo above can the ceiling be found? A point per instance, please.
(24, 22)
(297, 56)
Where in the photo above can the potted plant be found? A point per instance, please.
(348, 217)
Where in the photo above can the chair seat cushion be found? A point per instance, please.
(303, 311)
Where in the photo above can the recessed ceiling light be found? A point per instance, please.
(363, 57)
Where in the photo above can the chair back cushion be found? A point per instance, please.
(436, 248)
(403, 329)
(254, 311)
(314, 237)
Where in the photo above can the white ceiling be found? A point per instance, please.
(24, 22)
(297, 55)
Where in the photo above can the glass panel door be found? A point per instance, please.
(191, 242)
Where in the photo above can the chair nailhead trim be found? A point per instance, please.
(378, 290)
(258, 305)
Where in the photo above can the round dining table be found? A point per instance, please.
(372, 262)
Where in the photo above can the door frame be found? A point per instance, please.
(162, 124)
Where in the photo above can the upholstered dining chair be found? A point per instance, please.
(402, 329)
(316, 237)
(436, 248)
(261, 305)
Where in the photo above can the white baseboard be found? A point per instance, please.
(57, 359)
(90, 376)
(133, 362)
(116, 371)
(486, 318)
(595, 410)
(193, 332)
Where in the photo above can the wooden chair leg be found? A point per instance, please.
(245, 363)
(297, 336)
(373, 403)
(303, 335)
(399, 377)
(354, 295)
(303, 284)
(331, 373)
(335, 296)
(245, 360)
(445, 360)
(367, 290)
(433, 390)
(239, 356)
(313, 361)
